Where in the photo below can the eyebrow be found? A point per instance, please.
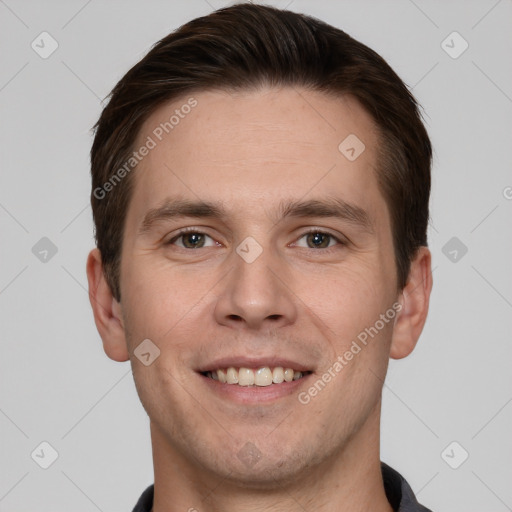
(330, 207)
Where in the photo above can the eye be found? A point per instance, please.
(318, 240)
(192, 240)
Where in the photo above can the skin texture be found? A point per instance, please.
(250, 152)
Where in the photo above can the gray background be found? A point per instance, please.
(57, 385)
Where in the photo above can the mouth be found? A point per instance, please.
(246, 381)
(255, 377)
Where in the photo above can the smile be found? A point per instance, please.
(263, 376)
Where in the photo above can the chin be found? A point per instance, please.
(268, 467)
(265, 475)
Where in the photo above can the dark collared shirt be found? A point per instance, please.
(398, 492)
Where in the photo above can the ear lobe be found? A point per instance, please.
(107, 311)
(414, 299)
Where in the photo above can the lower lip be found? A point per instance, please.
(254, 394)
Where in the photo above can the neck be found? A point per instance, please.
(348, 480)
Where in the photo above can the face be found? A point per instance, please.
(252, 241)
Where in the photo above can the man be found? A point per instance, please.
(260, 197)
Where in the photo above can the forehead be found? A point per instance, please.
(250, 148)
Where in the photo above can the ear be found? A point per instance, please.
(414, 299)
(107, 311)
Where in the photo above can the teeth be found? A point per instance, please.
(221, 374)
(232, 376)
(278, 375)
(264, 376)
(245, 377)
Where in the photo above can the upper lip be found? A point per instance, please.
(251, 362)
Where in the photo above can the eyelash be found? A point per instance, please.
(340, 242)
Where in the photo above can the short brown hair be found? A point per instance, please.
(249, 46)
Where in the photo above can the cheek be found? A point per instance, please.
(350, 306)
(158, 297)
(348, 299)
(160, 389)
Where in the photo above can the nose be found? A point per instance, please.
(255, 295)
